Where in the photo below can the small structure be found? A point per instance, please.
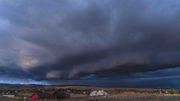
(98, 93)
(61, 95)
(34, 97)
(44, 95)
(9, 95)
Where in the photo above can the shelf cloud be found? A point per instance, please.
(74, 39)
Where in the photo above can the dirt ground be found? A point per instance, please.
(140, 97)
(126, 97)
(120, 97)
(114, 94)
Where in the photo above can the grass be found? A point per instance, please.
(115, 94)
(128, 97)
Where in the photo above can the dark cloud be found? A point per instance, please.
(165, 78)
(73, 39)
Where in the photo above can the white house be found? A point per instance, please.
(9, 95)
(98, 93)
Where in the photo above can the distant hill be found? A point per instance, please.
(4, 85)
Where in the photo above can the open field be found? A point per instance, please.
(127, 97)
(118, 97)
(81, 93)
(139, 97)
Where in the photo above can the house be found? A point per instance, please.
(34, 97)
(9, 95)
(98, 93)
(44, 95)
(61, 95)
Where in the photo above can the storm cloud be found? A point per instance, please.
(75, 39)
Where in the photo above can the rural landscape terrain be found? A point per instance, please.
(84, 93)
(89, 50)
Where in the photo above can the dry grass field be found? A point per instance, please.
(79, 93)
(127, 97)
(139, 97)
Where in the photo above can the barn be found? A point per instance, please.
(34, 97)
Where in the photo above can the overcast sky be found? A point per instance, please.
(56, 40)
